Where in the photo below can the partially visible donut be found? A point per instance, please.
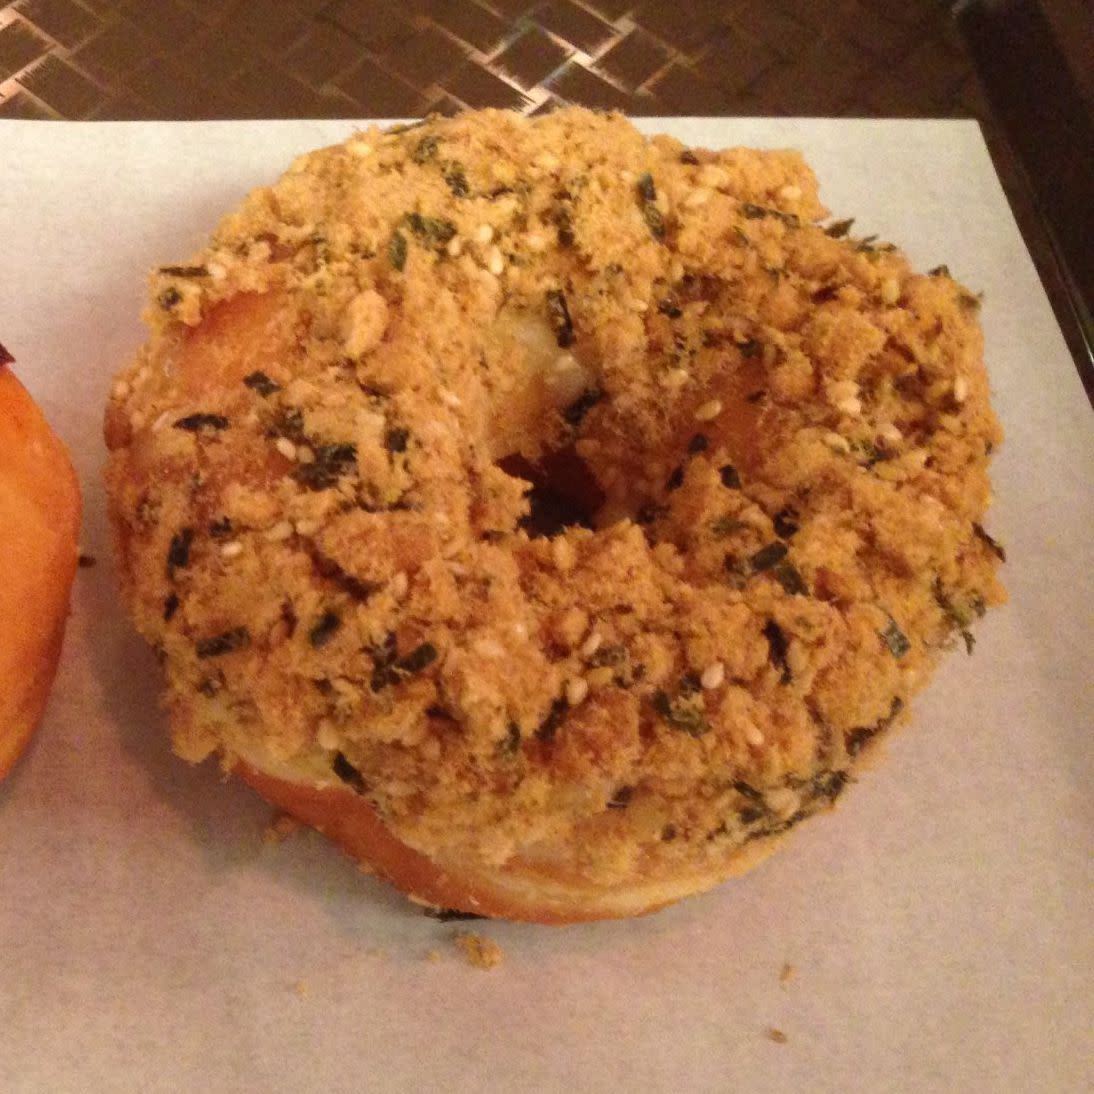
(549, 513)
(39, 525)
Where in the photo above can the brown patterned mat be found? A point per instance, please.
(173, 59)
(362, 58)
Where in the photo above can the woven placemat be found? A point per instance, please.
(360, 58)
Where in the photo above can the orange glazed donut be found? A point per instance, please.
(39, 524)
(548, 513)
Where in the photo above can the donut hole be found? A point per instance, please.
(563, 494)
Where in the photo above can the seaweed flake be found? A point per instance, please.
(261, 383)
(681, 714)
(549, 726)
(558, 315)
(348, 773)
(237, 638)
(647, 193)
(621, 798)
(195, 423)
(766, 557)
(425, 150)
(778, 647)
(729, 476)
(397, 250)
(178, 553)
(787, 575)
(785, 522)
(331, 462)
(855, 739)
(395, 439)
(575, 413)
(996, 547)
(838, 229)
(419, 658)
(895, 639)
(434, 230)
(456, 179)
(325, 628)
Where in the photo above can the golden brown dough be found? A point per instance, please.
(39, 523)
(759, 448)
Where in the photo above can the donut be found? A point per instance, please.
(553, 515)
(39, 525)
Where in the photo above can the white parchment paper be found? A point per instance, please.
(939, 923)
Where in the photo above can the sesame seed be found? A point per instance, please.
(753, 736)
(304, 454)
(636, 304)
(563, 553)
(836, 442)
(520, 631)
(890, 290)
(535, 242)
(137, 420)
(676, 378)
(327, 735)
(454, 247)
(399, 585)
(890, 434)
(592, 644)
(699, 196)
(576, 690)
(286, 448)
(790, 193)
(960, 389)
(450, 398)
(495, 263)
(783, 801)
(306, 527)
(713, 676)
(232, 550)
(121, 389)
(708, 411)
(547, 160)
(851, 406)
(280, 531)
(712, 175)
(842, 389)
(360, 148)
(489, 647)
(484, 233)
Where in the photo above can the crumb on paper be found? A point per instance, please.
(433, 956)
(85, 562)
(447, 915)
(301, 988)
(776, 1035)
(483, 953)
(281, 827)
(787, 974)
